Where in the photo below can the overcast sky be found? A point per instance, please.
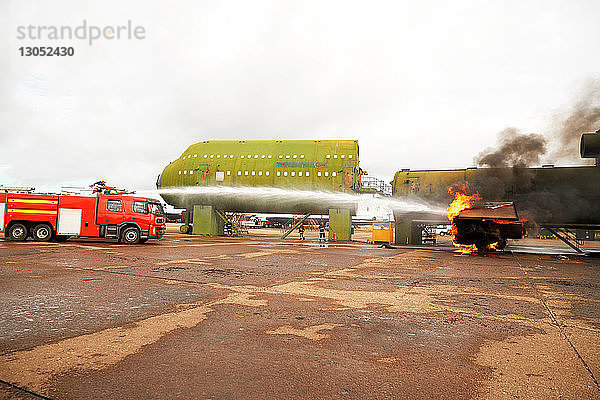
(422, 84)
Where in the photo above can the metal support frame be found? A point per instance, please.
(16, 189)
(568, 237)
(296, 225)
(226, 219)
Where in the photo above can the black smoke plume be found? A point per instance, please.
(515, 149)
(584, 117)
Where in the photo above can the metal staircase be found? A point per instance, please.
(369, 184)
(294, 226)
(238, 230)
(569, 237)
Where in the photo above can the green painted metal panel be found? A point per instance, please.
(206, 221)
(406, 231)
(330, 165)
(340, 224)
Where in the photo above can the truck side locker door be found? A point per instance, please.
(76, 216)
(69, 221)
(2, 211)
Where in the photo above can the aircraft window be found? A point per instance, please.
(241, 156)
(295, 156)
(327, 156)
(326, 173)
(259, 173)
(185, 172)
(287, 156)
(218, 156)
(319, 173)
(342, 156)
(231, 156)
(190, 156)
(212, 156)
(239, 173)
(253, 173)
(333, 174)
(302, 156)
(256, 156)
(249, 155)
(300, 173)
(179, 172)
(195, 155)
(270, 156)
(278, 173)
(349, 155)
(280, 156)
(293, 173)
(191, 172)
(335, 156)
(285, 173)
(267, 173)
(246, 173)
(263, 156)
(205, 156)
(228, 173)
(307, 173)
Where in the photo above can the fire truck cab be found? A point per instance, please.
(46, 217)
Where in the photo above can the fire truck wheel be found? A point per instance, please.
(131, 235)
(42, 233)
(17, 232)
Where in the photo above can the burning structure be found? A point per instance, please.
(557, 198)
(478, 226)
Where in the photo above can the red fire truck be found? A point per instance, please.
(109, 213)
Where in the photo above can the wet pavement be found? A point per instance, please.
(257, 317)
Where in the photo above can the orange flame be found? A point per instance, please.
(509, 222)
(493, 246)
(466, 248)
(462, 201)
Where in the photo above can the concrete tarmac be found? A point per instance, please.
(261, 318)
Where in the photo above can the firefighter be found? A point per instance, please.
(301, 231)
(322, 233)
(98, 186)
(229, 228)
(101, 182)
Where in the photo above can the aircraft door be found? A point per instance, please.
(347, 176)
(202, 173)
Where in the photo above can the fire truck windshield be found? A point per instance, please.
(156, 209)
